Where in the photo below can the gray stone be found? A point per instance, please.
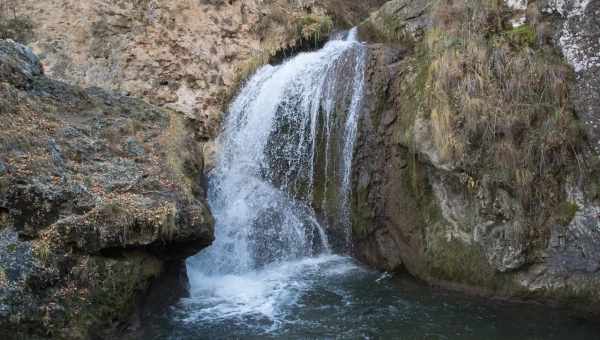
(134, 148)
(578, 37)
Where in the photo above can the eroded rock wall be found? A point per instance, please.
(474, 165)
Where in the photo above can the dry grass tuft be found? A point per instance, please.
(3, 278)
(42, 249)
(313, 27)
(498, 98)
(307, 28)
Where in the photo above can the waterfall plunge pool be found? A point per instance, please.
(271, 273)
(332, 297)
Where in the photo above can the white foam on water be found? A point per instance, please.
(269, 246)
(267, 293)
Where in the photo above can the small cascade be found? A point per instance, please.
(286, 146)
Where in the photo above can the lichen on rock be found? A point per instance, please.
(98, 194)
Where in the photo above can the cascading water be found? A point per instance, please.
(267, 233)
(286, 156)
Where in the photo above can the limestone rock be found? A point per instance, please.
(579, 40)
(98, 195)
(184, 55)
(398, 19)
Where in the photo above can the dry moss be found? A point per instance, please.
(179, 152)
(3, 277)
(19, 29)
(498, 100)
(130, 222)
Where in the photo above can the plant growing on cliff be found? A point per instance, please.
(314, 27)
(3, 278)
(13, 26)
(42, 249)
(498, 98)
(494, 100)
(522, 36)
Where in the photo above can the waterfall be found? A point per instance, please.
(262, 191)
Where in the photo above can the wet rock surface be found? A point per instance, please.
(98, 195)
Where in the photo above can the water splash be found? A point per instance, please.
(262, 188)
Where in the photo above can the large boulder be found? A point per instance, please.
(99, 195)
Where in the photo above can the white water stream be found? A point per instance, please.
(268, 239)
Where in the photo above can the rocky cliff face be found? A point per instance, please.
(99, 195)
(475, 166)
(577, 35)
(185, 55)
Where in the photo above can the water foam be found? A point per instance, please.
(267, 293)
(269, 245)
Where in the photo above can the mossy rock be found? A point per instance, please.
(19, 29)
(566, 212)
(115, 286)
(522, 36)
(455, 261)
